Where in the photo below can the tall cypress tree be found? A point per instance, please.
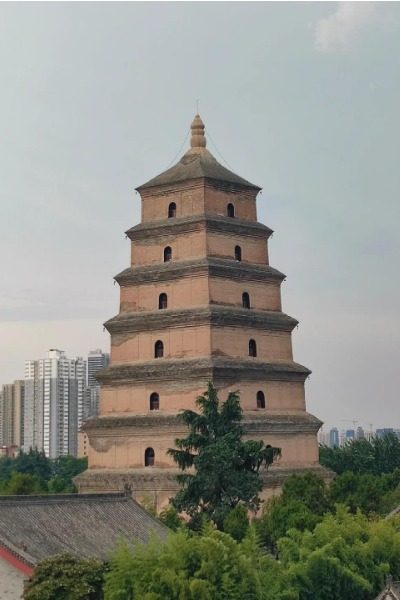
(219, 469)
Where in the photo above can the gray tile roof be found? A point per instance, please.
(197, 164)
(86, 525)
(391, 592)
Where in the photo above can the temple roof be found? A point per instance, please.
(197, 163)
(391, 591)
(85, 525)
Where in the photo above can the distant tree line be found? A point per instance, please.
(33, 473)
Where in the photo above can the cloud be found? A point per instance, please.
(340, 30)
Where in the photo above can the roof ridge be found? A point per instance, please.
(63, 498)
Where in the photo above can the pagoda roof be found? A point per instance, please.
(197, 163)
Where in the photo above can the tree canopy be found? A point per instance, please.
(220, 470)
(33, 473)
(343, 556)
(211, 566)
(376, 456)
(65, 577)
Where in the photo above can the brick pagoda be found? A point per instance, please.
(199, 303)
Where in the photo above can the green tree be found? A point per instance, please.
(345, 556)
(23, 484)
(303, 502)
(212, 566)
(65, 577)
(34, 462)
(63, 470)
(220, 470)
(358, 491)
(366, 492)
(51, 475)
(376, 456)
(170, 517)
(236, 523)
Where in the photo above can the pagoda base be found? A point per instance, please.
(154, 487)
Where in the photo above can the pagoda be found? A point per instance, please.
(199, 302)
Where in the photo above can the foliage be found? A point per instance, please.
(346, 556)
(22, 484)
(33, 462)
(211, 566)
(303, 502)
(34, 473)
(63, 470)
(236, 523)
(65, 577)
(148, 503)
(375, 456)
(366, 492)
(224, 470)
(170, 517)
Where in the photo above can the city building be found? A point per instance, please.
(11, 415)
(360, 433)
(55, 389)
(379, 433)
(323, 437)
(199, 303)
(97, 360)
(334, 438)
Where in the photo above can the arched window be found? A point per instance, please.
(162, 301)
(238, 253)
(167, 254)
(155, 401)
(158, 349)
(149, 457)
(230, 210)
(252, 348)
(245, 300)
(172, 210)
(260, 400)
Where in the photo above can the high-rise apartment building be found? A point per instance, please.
(97, 360)
(55, 390)
(334, 438)
(323, 437)
(11, 414)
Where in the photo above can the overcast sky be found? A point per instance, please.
(300, 98)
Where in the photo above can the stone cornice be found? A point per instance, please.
(253, 423)
(196, 182)
(155, 479)
(218, 369)
(211, 223)
(210, 267)
(215, 315)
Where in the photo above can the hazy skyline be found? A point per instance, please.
(300, 98)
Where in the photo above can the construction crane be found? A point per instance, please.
(354, 421)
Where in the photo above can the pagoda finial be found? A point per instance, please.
(198, 139)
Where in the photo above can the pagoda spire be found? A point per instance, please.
(198, 139)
